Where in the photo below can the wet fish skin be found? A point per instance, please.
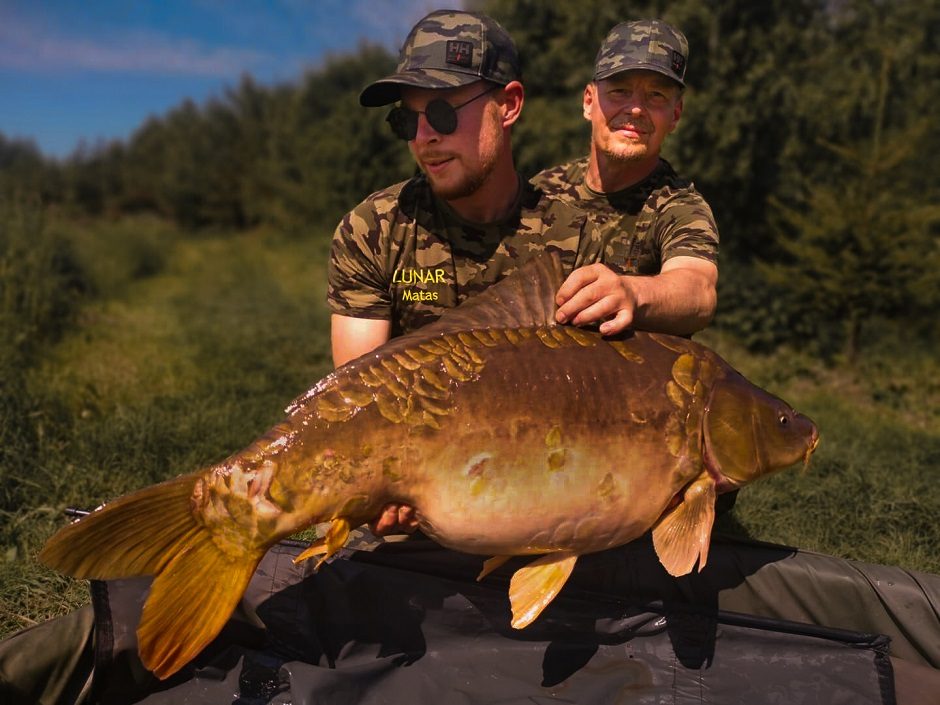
(508, 434)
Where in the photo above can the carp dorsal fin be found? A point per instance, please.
(682, 534)
(534, 586)
(524, 299)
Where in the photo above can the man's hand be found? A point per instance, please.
(679, 300)
(394, 519)
(596, 293)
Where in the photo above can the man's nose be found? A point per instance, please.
(636, 104)
(425, 132)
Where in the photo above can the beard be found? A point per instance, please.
(467, 185)
(473, 176)
(619, 150)
(625, 153)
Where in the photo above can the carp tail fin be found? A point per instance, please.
(154, 532)
(534, 586)
(134, 535)
(682, 535)
(189, 603)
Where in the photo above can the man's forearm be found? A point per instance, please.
(680, 301)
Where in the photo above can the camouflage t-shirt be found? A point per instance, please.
(634, 231)
(405, 255)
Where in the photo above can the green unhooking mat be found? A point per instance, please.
(408, 622)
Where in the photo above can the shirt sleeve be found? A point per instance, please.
(686, 226)
(358, 283)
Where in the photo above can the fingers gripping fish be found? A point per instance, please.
(510, 436)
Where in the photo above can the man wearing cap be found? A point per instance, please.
(648, 221)
(408, 252)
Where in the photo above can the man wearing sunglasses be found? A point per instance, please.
(409, 252)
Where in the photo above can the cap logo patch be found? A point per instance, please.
(459, 53)
(678, 62)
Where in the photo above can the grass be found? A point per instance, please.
(182, 349)
(178, 368)
(871, 490)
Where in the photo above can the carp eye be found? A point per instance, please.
(784, 420)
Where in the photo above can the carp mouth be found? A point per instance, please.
(810, 449)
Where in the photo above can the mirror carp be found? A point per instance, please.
(509, 434)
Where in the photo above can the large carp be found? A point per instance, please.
(510, 435)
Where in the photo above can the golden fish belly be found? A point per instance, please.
(536, 448)
(572, 452)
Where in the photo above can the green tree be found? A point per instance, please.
(322, 151)
(743, 126)
(860, 247)
(24, 172)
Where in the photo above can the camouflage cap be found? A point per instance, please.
(644, 44)
(448, 48)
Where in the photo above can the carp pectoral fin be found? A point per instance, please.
(335, 539)
(491, 564)
(682, 534)
(537, 584)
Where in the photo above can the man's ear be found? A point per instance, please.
(676, 114)
(513, 98)
(588, 100)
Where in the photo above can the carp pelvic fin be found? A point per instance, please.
(335, 539)
(154, 532)
(682, 534)
(533, 587)
(491, 564)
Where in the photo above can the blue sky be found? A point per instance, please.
(95, 70)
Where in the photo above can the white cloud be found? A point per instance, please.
(27, 47)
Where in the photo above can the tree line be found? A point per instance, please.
(807, 126)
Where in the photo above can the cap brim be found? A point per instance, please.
(388, 90)
(633, 67)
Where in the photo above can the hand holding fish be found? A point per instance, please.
(596, 293)
(394, 519)
(680, 300)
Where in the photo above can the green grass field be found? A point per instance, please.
(188, 347)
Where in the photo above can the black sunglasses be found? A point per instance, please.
(440, 114)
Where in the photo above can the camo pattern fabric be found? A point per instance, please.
(460, 42)
(634, 231)
(360, 538)
(405, 255)
(447, 49)
(649, 44)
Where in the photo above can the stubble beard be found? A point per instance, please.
(624, 152)
(467, 185)
(473, 178)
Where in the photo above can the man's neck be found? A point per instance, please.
(608, 176)
(494, 200)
